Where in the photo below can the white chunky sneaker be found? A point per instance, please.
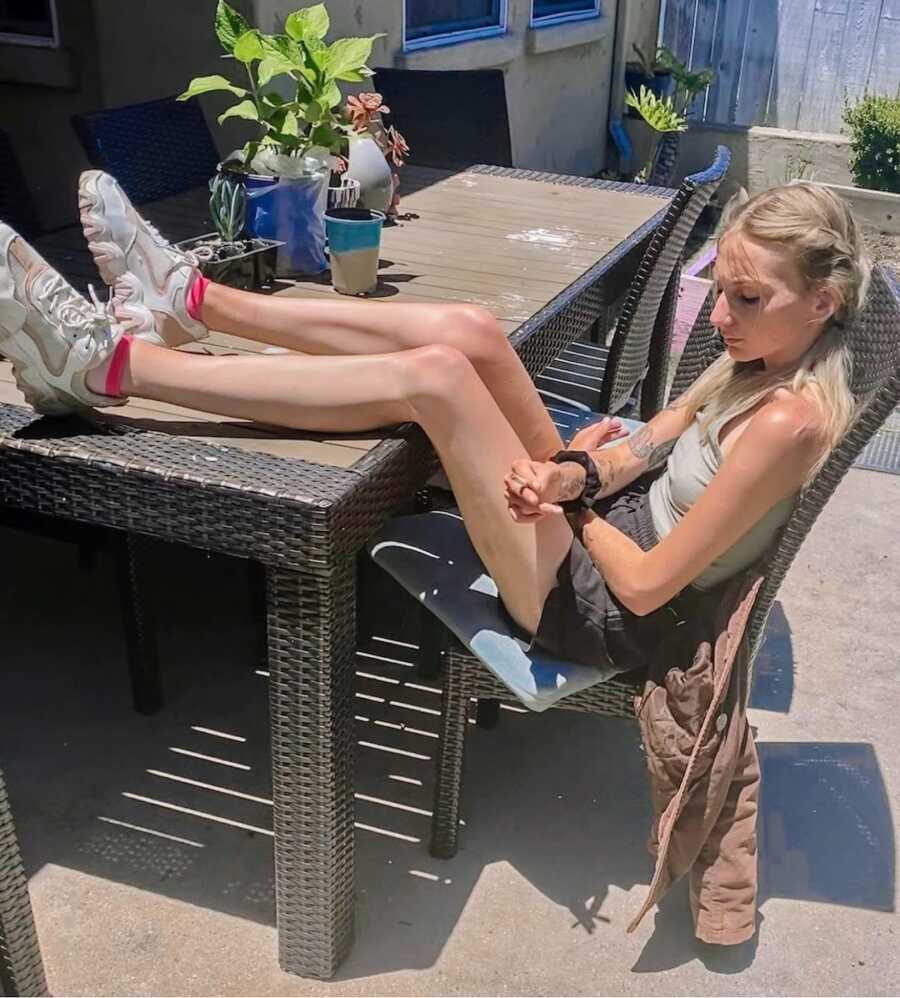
(148, 275)
(52, 335)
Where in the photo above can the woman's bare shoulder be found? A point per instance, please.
(789, 420)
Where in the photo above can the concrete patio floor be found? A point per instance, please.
(553, 863)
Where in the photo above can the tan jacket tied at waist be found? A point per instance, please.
(704, 776)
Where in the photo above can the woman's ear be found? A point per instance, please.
(826, 303)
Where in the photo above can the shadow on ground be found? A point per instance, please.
(180, 803)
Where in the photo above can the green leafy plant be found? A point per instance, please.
(227, 206)
(688, 84)
(646, 64)
(874, 123)
(310, 116)
(660, 114)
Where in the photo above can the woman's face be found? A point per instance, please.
(764, 309)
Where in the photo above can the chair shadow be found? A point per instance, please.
(826, 832)
(772, 686)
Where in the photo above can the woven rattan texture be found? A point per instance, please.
(21, 968)
(135, 144)
(312, 634)
(641, 324)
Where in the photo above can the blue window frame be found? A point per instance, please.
(438, 22)
(28, 22)
(555, 11)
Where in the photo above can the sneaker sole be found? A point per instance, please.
(109, 257)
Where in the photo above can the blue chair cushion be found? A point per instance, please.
(430, 555)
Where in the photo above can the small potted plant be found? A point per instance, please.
(286, 166)
(648, 72)
(374, 150)
(224, 256)
(667, 116)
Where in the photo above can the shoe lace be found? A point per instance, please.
(70, 309)
(164, 244)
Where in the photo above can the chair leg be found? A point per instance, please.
(140, 624)
(487, 715)
(449, 760)
(21, 968)
(432, 644)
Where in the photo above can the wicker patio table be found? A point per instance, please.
(545, 254)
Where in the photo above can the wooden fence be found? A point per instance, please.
(786, 63)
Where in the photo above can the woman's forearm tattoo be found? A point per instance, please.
(572, 484)
(644, 449)
(606, 474)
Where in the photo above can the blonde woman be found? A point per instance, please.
(635, 559)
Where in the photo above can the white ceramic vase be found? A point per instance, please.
(371, 169)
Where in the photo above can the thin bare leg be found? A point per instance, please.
(434, 386)
(355, 327)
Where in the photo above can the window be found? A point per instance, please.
(28, 22)
(437, 22)
(554, 11)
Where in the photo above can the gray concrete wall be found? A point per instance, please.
(761, 157)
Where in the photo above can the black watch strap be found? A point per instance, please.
(591, 479)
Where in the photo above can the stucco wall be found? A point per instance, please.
(557, 78)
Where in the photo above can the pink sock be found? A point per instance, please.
(116, 367)
(194, 300)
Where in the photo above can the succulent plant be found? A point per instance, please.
(227, 206)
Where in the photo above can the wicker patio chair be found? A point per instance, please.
(451, 118)
(21, 967)
(875, 344)
(605, 379)
(154, 149)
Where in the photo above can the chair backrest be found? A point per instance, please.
(154, 149)
(17, 207)
(450, 118)
(643, 334)
(874, 340)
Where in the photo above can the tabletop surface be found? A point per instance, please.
(509, 244)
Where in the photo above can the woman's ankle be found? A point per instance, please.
(110, 376)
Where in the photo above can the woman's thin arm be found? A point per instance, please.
(768, 463)
(617, 467)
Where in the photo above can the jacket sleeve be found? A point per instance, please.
(724, 877)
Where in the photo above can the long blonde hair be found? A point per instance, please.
(826, 244)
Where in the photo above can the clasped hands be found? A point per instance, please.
(532, 488)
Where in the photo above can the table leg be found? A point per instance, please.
(21, 968)
(139, 621)
(312, 641)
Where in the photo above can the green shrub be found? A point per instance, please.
(875, 142)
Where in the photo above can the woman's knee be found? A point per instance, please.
(476, 333)
(438, 371)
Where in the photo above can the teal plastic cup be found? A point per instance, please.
(354, 244)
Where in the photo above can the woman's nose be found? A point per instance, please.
(721, 314)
